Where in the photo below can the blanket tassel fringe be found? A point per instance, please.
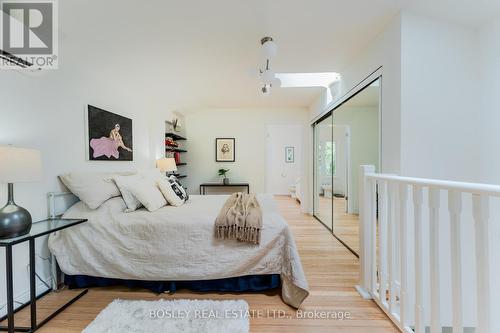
(245, 234)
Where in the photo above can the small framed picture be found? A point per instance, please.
(289, 154)
(225, 150)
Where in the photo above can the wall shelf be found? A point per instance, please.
(169, 148)
(174, 136)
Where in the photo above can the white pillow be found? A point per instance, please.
(147, 192)
(153, 174)
(124, 184)
(173, 191)
(93, 188)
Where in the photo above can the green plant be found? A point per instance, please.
(223, 172)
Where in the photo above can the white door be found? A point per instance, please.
(280, 173)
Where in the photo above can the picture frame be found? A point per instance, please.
(289, 154)
(225, 150)
(109, 136)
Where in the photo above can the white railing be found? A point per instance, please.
(402, 256)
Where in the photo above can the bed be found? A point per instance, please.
(177, 244)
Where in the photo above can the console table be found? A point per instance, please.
(205, 185)
(38, 229)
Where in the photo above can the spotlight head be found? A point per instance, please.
(266, 89)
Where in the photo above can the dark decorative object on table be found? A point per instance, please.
(17, 165)
(223, 172)
(109, 136)
(225, 149)
(14, 220)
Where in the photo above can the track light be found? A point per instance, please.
(269, 47)
(269, 50)
(266, 89)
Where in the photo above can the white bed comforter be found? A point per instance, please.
(176, 243)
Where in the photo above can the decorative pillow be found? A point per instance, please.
(182, 189)
(93, 188)
(147, 192)
(124, 184)
(173, 191)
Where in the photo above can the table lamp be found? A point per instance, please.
(17, 165)
(166, 164)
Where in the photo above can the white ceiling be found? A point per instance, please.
(200, 53)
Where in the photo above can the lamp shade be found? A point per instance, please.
(19, 165)
(268, 76)
(269, 49)
(166, 164)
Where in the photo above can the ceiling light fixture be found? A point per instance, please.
(269, 47)
(269, 50)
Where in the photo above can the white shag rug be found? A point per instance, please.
(172, 316)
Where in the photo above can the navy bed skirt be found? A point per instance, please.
(235, 284)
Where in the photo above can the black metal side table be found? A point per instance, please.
(38, 229)
(205, 185)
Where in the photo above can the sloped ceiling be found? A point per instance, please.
(203, 53)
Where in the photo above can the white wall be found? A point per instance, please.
(489, 163)
(439, 99)
(385, 52)
(440, 122)
(280, 174)
(46, 112)
(249, 128)
(487, 100)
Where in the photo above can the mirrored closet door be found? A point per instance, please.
(345, 139)
(323, 171)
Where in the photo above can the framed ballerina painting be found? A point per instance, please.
(109, 136)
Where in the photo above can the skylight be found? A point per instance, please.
(296, 80)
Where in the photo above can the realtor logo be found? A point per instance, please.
(29, 33)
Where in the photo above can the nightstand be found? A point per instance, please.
(38, 229)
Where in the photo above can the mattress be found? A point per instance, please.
(176, 244)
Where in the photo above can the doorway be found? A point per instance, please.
(283, 171)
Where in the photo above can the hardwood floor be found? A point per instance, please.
(346, 226)
(331, 270)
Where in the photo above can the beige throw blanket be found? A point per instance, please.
(240, 218)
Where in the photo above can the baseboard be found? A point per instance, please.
(365, 294)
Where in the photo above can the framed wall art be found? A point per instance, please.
(225, 150)
(109, 136)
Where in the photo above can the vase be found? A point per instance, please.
(225, 181)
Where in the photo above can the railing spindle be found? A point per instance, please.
(434, 204)
(366, 220)
(391, 253)
(481, 218)
(373, 214)
(382, 201)
(455, 208)
(390, 266)
(419, 274)
(403, 239)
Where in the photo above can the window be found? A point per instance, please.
(330, 158)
